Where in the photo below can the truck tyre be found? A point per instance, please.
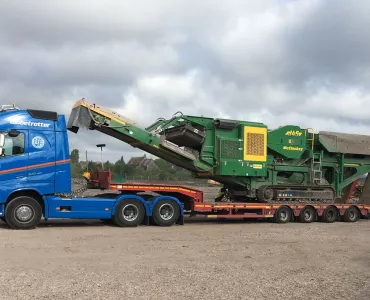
(351, 214)
(307, 215)
(283, 215)
(23, 213)
(129, 213)
(166, 213)
(329, 215)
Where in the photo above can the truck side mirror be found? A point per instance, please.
(13, 133)
(2, 140)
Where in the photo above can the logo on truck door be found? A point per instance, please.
(38, 142)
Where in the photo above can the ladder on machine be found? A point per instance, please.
(316, 168)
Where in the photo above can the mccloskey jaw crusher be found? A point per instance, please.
(254, 163)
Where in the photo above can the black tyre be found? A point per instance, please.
(283, 215)
(307, 215)
(23, 213)
(2, 219)
(351, 214)
(329, 215)
(166, 213)
(129, 213)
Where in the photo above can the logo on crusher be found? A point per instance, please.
(38, 142)
(293, 133)
(292, 148)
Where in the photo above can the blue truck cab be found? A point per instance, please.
(35, 169)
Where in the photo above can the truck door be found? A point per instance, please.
(41, 164)
(13, 162)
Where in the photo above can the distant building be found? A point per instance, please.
(147, 164)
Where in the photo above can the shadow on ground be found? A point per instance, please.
(98, 223)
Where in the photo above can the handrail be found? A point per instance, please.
(313, 136)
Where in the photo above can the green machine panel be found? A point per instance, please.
(288, 141)
(232, 163)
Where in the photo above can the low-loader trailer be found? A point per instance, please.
(35, 176)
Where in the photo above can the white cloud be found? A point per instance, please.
(272, 61)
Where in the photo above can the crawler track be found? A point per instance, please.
(296, 194)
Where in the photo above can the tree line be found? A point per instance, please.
(121, 170)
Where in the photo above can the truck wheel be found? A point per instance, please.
(307, 215)
(329, 215)
(23, 213)
(129, 213)
(166, 213)
(283, 215)
(351, 214)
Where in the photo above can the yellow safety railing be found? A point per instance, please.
(313, 136)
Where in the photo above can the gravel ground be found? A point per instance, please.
(205, 259)
(202, 260)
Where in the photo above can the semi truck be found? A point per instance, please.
(284, 174)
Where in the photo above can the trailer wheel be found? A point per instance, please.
(307, 215)
(283, 215)
(351, 214)
(129, 213)
(329, 215)
(166, 213)
(23, 213)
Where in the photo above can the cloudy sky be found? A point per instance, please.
(303, 62)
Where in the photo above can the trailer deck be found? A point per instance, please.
(193, 204)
